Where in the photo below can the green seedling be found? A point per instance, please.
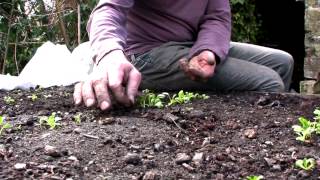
(9, 100)
(254, 177)
(51, 121)
(150, 99)
(304, 130)
(306, 164)
(185, 97)
(34, 97)
(77, 118)
(4, 125)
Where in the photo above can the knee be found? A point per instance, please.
(272, 82)
(285, 60)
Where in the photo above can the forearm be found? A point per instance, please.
(215, 30)
(106, 27)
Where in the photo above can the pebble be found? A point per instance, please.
(182, 158)
(270, 162)
(51, 151)
(170, 117)
(196, 114)
(250, 133)
(188, 167)
(20, 166)
(77, 130)
(73, 158)
(198, 158)
(276, 167)
(151, 175)
(132, 158)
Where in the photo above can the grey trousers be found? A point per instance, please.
(247, 68)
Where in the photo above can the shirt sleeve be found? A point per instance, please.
(107, 27)
(215, 30)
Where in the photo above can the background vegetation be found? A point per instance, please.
(26, 24)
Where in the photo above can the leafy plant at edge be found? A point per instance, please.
(4, 125)
(9, 100)
(77, 118)
(185, 97)
(306, 163)
(254, 177)
(304, 130)
(50, 121)
(150, 99)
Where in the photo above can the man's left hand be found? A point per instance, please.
(200, 67)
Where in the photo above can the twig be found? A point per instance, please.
(184, 131)
(90, 136)
(15, 56)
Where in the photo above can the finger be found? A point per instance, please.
(116, 81)
(77, 93)
(101, 91)
(184, 65)
(211, 60)
(88, 94)
(134, 81)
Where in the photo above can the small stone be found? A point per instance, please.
(198, 158)
(276, 167)
(182, 158)
(151, 175)
(51, 151)
(270, 162)
(269, 143)
(206, 141)
(196, 114)
(77, 130)
(20, 166)
(250, 133)
(3, 150)
(170, 117)
(73, 158)
(132, 158)
(158, 147)
(188, 167)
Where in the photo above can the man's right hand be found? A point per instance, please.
(114, 76)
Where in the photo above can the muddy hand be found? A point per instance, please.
(114, 76)
(200, 67)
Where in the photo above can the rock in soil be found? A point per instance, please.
(182, 158)
(132, 158)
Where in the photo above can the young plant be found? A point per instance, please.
(4, 125)
(306, 164)
(304, 130)
(150, 99)
(77, 118)
(51, 121)
(9, 100)
(185, 97)
(254, 177)
(33, 97)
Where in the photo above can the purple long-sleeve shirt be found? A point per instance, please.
(136, 26)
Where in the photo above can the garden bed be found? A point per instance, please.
(228, 136)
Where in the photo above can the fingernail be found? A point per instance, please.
(104, 105)
(131, 98)
(90, 102)
(77, 101)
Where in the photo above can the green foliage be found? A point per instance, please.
(185, 97)
(254, 177)
(306, 164)
(150, 99)
(306, 128)
(77, 118)
(34, 22)
(33, 97)
(4, 125)
(9, 100)
(245, 25)
(51, 121)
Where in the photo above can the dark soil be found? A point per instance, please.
(228, 136)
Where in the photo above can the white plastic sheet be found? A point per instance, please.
(52, 65)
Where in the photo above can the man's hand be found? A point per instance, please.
(200, 67)
(114, 76)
